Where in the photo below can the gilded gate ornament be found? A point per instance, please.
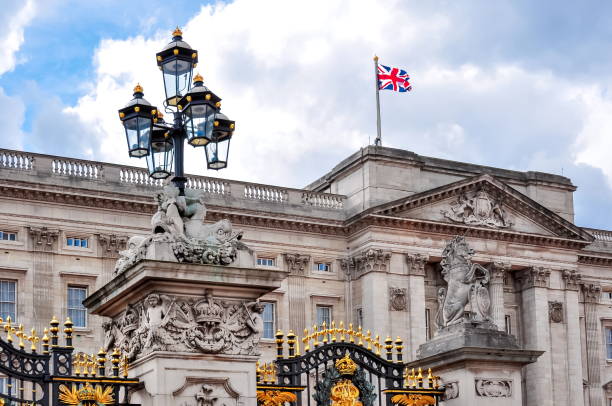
(344, 393)
(413, 400)
(87, 395)
(274, 397)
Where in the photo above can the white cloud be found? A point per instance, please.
(297, 78)
(11, 36)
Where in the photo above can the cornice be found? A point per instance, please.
(145, 205)
(588, 259)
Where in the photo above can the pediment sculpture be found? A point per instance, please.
(186, 324)
(179, 234)
(478, 209)
(466, 296)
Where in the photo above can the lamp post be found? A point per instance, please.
(196, 118)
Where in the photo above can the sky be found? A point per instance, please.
(517, 84)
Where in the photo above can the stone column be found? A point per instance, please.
(416, 283)
(372, 267)
(592, 295)
(296, 287)
(534, 283)
(574, 350)
(45, 302)
(496, 290)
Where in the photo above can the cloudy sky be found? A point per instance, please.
(515, 84)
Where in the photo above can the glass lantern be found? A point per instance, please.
(217, 150)
(161, 154)
(137, 118)
(199, 107)
(176, 61)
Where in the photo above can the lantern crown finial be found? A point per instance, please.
(137, 89)
(177, 32)
(198, 78)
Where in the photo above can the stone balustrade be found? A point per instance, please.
(600, 235)
(16, 160)
(113, 175)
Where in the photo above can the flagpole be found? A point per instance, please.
(377, 141)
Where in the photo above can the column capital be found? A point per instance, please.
(416, 263)
(296, 263)
(534, 277)
(591, 292)
(368, 260)
(571, 278)
(109, 245)
(43, 238)
(498, 270)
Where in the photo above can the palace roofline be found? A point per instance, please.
(436, 164)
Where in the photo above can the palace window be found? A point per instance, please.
(76, 311)
(607, 295)
(8, 299)
(324, 314)
(8, 236)
(77, 242)
(323, 267)
(508, 324)
(268, 320)
(265, 261)
(609, 342)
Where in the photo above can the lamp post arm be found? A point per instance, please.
(178, 134)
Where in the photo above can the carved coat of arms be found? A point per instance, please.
(480, 209)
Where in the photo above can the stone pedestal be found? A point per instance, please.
(191, 331)
(478, 365)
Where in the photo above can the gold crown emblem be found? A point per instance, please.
(198, 78)
(177, 32)
(138, 88)
(87, 393)
(346, 366)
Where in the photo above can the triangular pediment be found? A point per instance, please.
(485, 202)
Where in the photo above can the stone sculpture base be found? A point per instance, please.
(184, 326)
(478, 365)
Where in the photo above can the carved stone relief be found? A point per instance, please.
(110, 244)
(466, 296)
(186, 324)
(591, 292)
(478, 209)
(416, 264)
(555, 312)
(296, 263)
(207, 392)
(43, 238)
(179, 234)
(397, 299)
(451, 390)
(536, 276)
(571, 278)
(369, 260)
(493, 388)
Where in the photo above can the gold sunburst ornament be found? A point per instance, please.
(413, 400)
(87, 395)
(274, 397)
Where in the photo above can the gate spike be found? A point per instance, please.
(306, 340)
(369, 340)
(115, 361)
(101, 362)
(34, 340)
(8, 329)
(20, 333)
(351, 333)
(360, 335)
(334, 330)
(125, 366)
(399, 347)
(45, 340)
(342, 331)
(315, 333)
(54, 329)
(377, 344)
(68, 332)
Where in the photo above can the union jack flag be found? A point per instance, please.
(393, 79)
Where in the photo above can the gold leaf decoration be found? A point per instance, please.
(274, 397)
(77, 397)
(413, 400)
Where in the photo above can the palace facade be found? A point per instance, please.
(362, 244)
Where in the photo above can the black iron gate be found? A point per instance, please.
(342, 366)
(53, 375)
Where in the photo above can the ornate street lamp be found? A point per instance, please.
(137, 118)
(196, 117)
